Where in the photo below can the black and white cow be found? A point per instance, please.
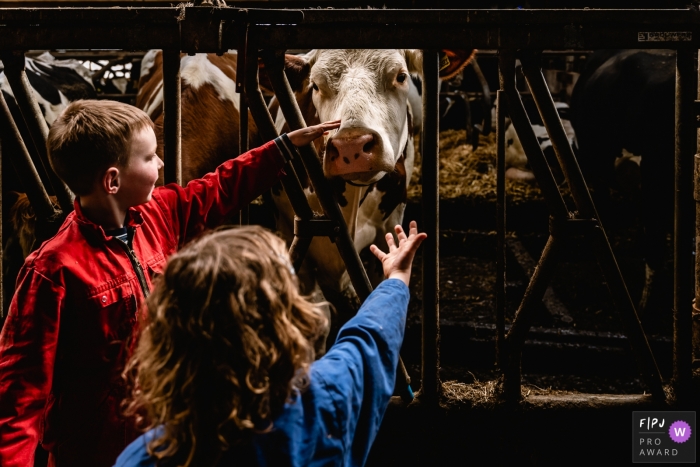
(622, 109)
(517, 166)
(55, 83)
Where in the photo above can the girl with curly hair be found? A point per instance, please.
(224, 371)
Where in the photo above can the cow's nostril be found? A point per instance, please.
(331, 151)
(367, 148)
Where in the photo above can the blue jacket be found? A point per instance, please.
(335, 420)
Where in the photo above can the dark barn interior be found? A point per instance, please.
(525, 339)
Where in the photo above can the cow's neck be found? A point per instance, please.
(350, 209)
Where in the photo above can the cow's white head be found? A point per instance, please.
(368, 91)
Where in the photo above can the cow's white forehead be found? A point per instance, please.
(332, 65)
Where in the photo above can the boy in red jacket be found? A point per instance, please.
(65, 341)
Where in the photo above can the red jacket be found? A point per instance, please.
(62, 348)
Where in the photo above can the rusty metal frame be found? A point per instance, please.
(213, 29)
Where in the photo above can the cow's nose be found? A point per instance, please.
(348, 150)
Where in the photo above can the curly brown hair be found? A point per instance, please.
(228, 338)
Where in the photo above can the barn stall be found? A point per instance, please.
(461, 333)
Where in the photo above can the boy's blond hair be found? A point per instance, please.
(228, 338)
(89, 137)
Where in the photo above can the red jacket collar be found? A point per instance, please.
(133, 219)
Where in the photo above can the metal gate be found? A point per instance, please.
(521, 34)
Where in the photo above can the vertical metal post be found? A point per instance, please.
(244, 215)
(430, 140)
(500, 225)
(686, 147)
(696, 302)
(172, 147)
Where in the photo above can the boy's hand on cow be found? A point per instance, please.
(397, 263)
(304, 136)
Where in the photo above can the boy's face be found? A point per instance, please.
(139, 176)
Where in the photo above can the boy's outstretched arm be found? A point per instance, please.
(207, 202)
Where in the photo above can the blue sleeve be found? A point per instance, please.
(358, 373)
(136, 453)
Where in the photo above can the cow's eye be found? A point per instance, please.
(401, 77)
(315, 86)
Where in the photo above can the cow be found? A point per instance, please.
(369, 159)
(55, 83)
(517, 166)
(622, 110)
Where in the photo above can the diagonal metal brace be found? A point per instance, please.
(584, 203)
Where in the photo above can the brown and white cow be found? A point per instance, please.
(369, 158)
(209, 102)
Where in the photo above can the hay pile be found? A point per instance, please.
(487, 394)
(467, 174)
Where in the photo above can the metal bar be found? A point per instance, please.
(431, 387)
(14, 147)
(172, 129)
(533, 151)
(686, 147)
(586, 208)
(145, 28)
(500, 225)
(485, 97)
(244, 215)
(159, 16)
(36, 125)
(528, 265)
(298, 249)
(515, 339)
(696, 301)
(467, 36)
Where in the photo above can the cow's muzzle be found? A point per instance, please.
(354, 154)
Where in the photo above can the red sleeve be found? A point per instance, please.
(28, 345)
(205, 203)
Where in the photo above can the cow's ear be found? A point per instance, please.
(295, 67)
(454, 61)
(297, 70)
(414, 61)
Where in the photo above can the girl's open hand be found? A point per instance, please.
(397, 263)
(304, 136)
